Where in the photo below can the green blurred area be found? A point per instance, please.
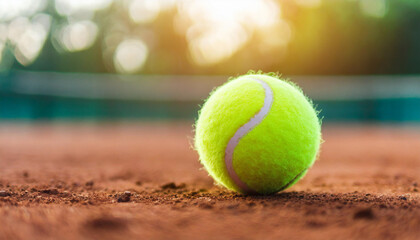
(334, 38)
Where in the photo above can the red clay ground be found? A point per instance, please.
(68, 182)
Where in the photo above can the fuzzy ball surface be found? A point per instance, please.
(257, 134)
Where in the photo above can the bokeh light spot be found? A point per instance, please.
(374, 8)
(144, 11)
(28, 37)
(16, 28)
(278, 35)
(130, 56)
(2, 46)
(10, 9)
(71, 7)
(217, 45)
(77, 36)
(3, 39)
(3, 32)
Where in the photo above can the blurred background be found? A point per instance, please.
(96, 60)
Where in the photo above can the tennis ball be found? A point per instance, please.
(257, 134)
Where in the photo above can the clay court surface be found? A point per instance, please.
(70, 181)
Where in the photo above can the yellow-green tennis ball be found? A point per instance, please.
(257, 134)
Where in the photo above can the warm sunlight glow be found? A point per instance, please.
(309, 3)
(217, 44)
(216, 30)
(277, 35)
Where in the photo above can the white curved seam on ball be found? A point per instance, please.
(242, 131)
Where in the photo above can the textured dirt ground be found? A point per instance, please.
(143, 181)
